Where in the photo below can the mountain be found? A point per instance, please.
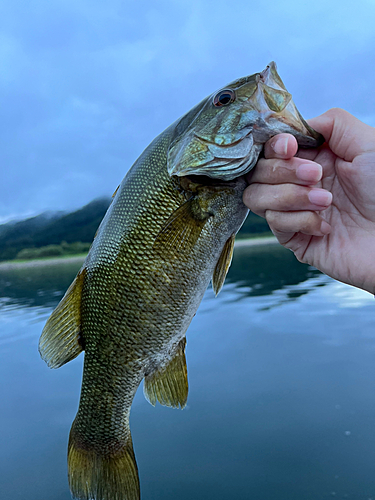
(52, 229)
(80, 225)
(13, 229)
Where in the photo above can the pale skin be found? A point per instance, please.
(320, 203)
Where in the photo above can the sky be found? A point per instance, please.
(86, 85)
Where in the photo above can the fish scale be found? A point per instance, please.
(169, 230)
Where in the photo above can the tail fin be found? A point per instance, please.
(111, 476)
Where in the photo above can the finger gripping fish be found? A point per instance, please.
(169, 230)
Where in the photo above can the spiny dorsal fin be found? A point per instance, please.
(223, 265)
(169, 385)
(181, 230)
(60, 341)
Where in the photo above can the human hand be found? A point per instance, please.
(321, 203)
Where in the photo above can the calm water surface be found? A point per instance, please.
(282, 391)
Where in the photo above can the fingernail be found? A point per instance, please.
(280, 146)
(320, 197)
(310, 172)
(325, 228)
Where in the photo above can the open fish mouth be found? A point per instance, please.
(238, 120)
(285, 116)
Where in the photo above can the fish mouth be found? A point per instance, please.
(280, 113)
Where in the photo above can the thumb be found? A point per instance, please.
(346, 136)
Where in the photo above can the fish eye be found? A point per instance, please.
(224, 97)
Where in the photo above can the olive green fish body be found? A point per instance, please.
(148, 295)
(169, 230)
(141, 289)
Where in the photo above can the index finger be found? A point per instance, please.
(293, 171)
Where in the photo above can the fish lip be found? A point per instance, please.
(306, 136)
(316, 141)
(270, 76)
(312, 139)
(315, 136)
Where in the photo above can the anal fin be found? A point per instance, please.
(223, 264)
(169, 385)
(60, 340)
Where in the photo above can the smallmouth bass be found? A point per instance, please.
(169, 230)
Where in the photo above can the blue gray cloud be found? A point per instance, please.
(86, 84)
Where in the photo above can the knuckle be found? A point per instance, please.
(335, 111)
(293, 197)
(251, 198)
(271, 216)
(306, 226)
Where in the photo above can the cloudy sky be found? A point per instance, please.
(87, 84)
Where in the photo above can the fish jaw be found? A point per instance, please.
(225, 142)
(280, 113)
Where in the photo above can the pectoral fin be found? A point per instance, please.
(60, 340)
(181, 230)
(223, 265)
(169, 385)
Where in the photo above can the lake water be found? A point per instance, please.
(282, 391)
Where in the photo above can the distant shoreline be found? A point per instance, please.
(5, 266)
(78, 259)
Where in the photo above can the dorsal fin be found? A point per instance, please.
(223, 264)
(60, 340)
(169, 385)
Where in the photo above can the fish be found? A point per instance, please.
(168, 232)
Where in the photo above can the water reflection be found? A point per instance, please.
(261, 270)
(256, 271)
(281, 401)
(36, 285)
